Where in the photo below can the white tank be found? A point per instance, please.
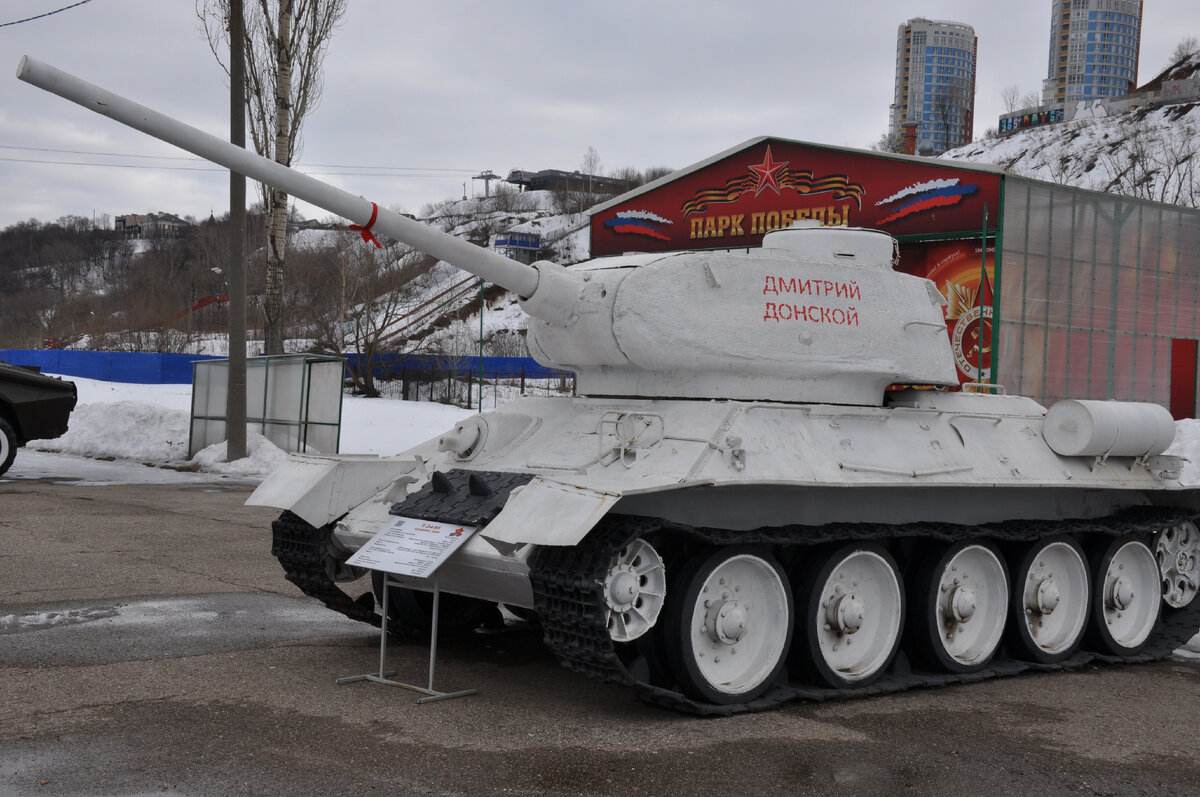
(743, 507)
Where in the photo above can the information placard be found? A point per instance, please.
(411, 547)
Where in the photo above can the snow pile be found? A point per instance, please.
(149, 424)
(262, 457)
(157, 436)
(125, 430)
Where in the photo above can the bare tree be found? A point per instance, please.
(353, 299)
(448, 214)
(654, 172)
(944, 119)
(1014, 100)
(890, 141)
(633, 177)
(506, 343)
(950, 104)
(1010, 97)
(591, 162)
(285, 46)
(509, 199)
(1186, 48)
(1152, 163)
(572, 196)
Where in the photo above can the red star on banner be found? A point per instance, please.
(766, 173)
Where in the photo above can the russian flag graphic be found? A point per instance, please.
(928, 195)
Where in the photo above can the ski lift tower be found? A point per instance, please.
(487, 176)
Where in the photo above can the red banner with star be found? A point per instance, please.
(770, 183)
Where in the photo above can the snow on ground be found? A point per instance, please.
(1141, 153)
(143, 429)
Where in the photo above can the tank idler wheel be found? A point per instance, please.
(1049, 604)
(1177, 550)
(413, 610)
(1126, 595)
(729, 625)
(851, 615)
(960, 606)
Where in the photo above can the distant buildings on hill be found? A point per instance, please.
(934, 105)
(556, 180)
(150, 225)
(1093, 66)
(1178, 83)
(1092, 71)
(1094, 48)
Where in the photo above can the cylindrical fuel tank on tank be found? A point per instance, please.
(1108, 428)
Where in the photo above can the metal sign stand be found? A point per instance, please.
(382, 677)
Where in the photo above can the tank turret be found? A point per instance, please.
(816, 315)
(800, 531)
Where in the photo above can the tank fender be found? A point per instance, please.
(322, 488)
(569, 513)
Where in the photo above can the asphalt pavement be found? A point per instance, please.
(149, 644)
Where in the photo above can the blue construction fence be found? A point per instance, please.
(457, 380)
(154, 369)
(394, 365)
(110, 366)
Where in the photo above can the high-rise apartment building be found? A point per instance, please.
(1093, 50)
(934, 107)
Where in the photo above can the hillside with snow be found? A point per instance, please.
(1150, 152)
(439, 308)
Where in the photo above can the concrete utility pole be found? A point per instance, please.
(235, 403)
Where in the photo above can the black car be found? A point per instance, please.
(32, 407)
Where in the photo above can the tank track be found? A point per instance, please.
(304, 551)
(567, 593)
(570, 607)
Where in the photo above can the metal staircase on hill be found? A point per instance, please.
(450, 303)
(456, 301)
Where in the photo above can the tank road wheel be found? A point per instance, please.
(1177, 550)
(851, 615)
(1050, 595)
(961, 604)
(1126, 592)
(730, 627)
(634, 590)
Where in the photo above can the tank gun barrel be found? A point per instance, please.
(522, 279)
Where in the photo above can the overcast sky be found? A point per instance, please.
(421, 96)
